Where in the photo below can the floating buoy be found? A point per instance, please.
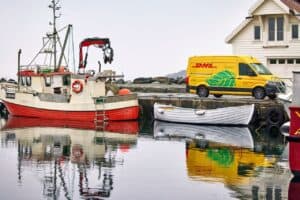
(124, 91)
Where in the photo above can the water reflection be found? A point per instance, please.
(232, 136)
(75, 160)
(250, 162)
(64, 154)
(294, 189)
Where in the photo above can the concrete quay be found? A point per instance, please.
(270, 111)
(154, 87)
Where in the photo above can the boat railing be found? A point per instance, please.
(37, 68)
(117, 98)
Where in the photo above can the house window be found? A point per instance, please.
(295, 31)
(290, 61)
(273, 61)
(280, 30)
(281, 61)
(256, 32)
(271, 29)
(275, 28)
(297, 61)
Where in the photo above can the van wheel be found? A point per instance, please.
(218, 95)
(259, 93)
(202, 91)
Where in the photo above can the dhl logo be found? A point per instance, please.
(204, 65)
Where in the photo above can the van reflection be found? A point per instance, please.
(247, 161)
(56, 147)
(232, 165)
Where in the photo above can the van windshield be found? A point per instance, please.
(261, 69)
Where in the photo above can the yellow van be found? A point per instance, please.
(231, 75)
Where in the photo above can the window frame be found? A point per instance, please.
(281, 61)
(280, 28)
(47, 79)
(273, 61)
(246, 69)
(290, 61)
(276, 28)
(295, 37)
(271, 28)
(257, 32)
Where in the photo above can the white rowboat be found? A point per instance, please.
(236, 115)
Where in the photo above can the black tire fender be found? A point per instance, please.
(273, 130)
(275, 116)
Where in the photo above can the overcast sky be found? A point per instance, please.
(150, 38)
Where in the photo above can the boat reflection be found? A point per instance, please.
(294, 188)
(231, 136)
(53, 149)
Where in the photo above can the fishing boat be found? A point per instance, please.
(50, 90)
(225, 135)
(236, 115)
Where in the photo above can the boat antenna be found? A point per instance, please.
(55, 7)
(19, 68)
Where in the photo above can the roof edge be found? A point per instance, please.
(258, 3)
(239, 28)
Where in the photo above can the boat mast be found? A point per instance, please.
(54, 6)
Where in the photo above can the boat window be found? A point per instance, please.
(66, 80)
(23, 80)
(28, 80)
(47, 81)
(261, 69)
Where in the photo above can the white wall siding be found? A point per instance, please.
(244, 44)
(268, 8)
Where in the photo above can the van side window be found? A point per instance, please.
(245, 70)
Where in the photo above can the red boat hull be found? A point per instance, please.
(128, 127)
(128, 113)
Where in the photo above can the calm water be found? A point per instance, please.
(69, 160)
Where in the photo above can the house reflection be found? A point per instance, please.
(58, 150)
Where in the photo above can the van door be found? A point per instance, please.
(245, 80)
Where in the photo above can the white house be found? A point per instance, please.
(270, 33)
